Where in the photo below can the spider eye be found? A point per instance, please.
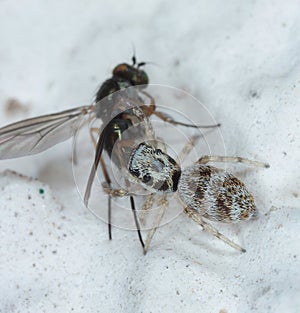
(146, 178)
(134, 172)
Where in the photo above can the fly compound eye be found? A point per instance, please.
(143, 78)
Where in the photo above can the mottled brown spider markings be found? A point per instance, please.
(215, 194)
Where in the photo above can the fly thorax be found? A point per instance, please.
(155, 170)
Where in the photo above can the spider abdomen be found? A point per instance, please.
(215, 194)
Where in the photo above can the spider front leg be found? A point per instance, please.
(214, 158)
(186, 150)
(196, 216)
(147, 205)
(121, 192)
(163, 203)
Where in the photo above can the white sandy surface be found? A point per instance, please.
(242, 60)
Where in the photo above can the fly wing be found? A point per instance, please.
(98, 153)
(37, 134)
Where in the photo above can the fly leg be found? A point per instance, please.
(124, 193)
(151, 109)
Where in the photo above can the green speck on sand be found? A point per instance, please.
(41, 191)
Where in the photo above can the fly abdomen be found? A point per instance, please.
(114, 130)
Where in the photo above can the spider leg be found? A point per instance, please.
(148, 204)
(196, 216)
(163, 203)
(121, 192)
(214, 158)
(185, 151)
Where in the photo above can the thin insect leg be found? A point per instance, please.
(115, 192)
(151, 109)
(94, 130)
(122, 193)
(109, 218)
(163, 203)
(210, 229)
(206, 159)
(146, 207)
(170, 120)
(136, 222)
(185, 151)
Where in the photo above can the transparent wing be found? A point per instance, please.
(37, 134)
(99, 149)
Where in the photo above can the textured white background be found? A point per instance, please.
(242, 60)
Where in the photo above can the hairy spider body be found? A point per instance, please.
(216, 194)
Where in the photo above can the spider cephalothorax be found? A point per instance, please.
(154, 169)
